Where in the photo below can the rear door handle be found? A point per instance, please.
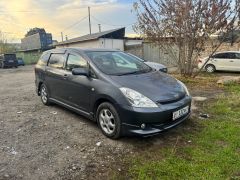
(231, 61)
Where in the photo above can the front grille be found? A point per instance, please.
(169, 101)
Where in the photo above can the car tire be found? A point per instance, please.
(210, 68)
(44, 95)
(108, 120)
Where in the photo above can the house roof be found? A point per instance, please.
(114, 33)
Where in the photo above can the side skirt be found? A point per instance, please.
(79, 111)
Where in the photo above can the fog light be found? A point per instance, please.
(143, 126)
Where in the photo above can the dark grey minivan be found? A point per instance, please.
(118, 91)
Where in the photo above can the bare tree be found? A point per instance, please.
(5, 47)
(185, 24)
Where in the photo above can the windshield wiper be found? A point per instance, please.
(133, 72)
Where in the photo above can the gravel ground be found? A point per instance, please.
(40, 142)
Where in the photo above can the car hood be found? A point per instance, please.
(155, 85)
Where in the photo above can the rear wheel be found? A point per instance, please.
(210, 68)
(108, 120)
(44, 95)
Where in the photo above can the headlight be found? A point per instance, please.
(185, 88)
(136, 99)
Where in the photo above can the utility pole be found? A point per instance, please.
(99, 26)
(89, 19)
(62, 36)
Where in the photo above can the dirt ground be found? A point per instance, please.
(40, 142)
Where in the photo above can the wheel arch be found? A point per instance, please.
(39, 86)
(101, 100)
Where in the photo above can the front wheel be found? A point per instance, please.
(210, 68)
(108, 120)
(44, 95)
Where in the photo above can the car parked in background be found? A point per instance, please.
(20, 62)
(221, 61)
(8, 60)
(154, 65)
(122, 94)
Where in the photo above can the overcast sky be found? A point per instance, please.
(18, 16)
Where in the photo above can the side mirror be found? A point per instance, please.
(80, 71)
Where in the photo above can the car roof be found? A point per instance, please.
(227, 52)
(63, 50)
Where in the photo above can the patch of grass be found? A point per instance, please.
(214, 151)
(205, 81)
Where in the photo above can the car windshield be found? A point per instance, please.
(117, 63)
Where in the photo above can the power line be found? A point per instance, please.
(69, 27)
(125, 25)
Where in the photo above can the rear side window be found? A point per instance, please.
(221, 56)
(43, 59)
(74, 61)
(56, 61)
(225, 56)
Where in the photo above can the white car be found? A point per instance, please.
(221, 61)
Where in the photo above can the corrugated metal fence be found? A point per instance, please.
(153, 53)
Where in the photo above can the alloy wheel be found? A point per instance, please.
(210, 69)
(44, 95)
(107, 121)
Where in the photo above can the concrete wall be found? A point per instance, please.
(84, 44)
(98, 43)
(31, 42)
(111, 43)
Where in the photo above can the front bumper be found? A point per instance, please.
(156, 119)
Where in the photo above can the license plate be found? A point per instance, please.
(180, 113)
(11, 61)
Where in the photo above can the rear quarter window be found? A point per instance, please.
(237, 55)
(43, 59)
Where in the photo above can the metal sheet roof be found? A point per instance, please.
(114, 33)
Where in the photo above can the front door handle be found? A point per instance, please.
(232, 61)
